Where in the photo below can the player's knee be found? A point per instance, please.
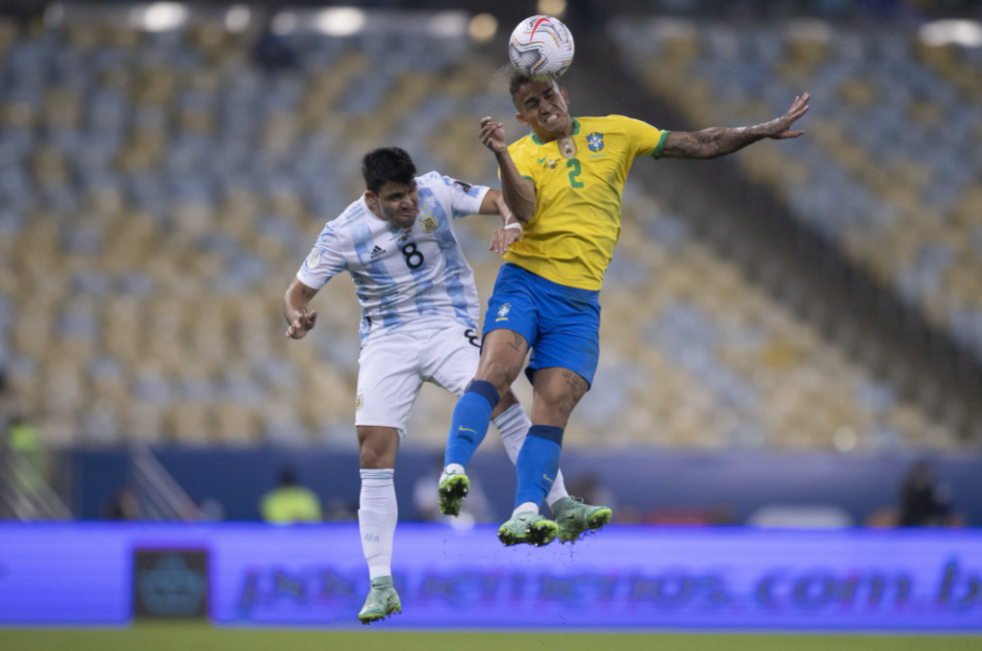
(554, 404)
(497, 373)
(553, 413)
(377, 447)
(374, 456)
(555, 395)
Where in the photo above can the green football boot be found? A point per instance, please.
(453, 489)
(382, 601)
(574, 518)
(530, 528)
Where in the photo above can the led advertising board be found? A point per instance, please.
(624, 577)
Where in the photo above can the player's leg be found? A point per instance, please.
(556, 393)
(377, 517)
(452, 364)
(561, 368)
(388, 383)
(513, 424)
(501, 361)
(509, 331)
(502, 358)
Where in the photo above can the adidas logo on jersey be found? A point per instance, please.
(377, 251)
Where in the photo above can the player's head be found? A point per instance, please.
(542, 105)
(390, 182)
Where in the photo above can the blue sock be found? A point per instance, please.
(538, 463)
(471, 418)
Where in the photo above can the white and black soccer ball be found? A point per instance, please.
(541, 48)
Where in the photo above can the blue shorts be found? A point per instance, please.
(561, 324)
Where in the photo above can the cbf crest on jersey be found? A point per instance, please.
(503, 312)
(595, 141)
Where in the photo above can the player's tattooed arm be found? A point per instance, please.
(295, 302)
(720, 141)
(518, 191)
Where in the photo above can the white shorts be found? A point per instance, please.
(393, 367)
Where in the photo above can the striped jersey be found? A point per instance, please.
(403, 276)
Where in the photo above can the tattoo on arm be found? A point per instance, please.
(717, 141)
(708, 143)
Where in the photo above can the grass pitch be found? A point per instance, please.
(195, 638)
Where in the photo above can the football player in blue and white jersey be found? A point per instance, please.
(419, 324)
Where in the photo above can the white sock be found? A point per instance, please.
(514, 424)
(377, 518)
(451, 469)
(525, 508)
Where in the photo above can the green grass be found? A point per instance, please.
(190, 638)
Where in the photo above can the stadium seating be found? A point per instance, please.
(159, 190)
(891, 166)
(710, 361)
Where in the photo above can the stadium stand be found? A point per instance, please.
(745, 10)
(714, 362)
(159, 190)
(890, 171)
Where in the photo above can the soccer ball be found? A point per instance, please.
(541, 48)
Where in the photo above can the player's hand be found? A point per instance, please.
(782, 125)
(493, 135)
(503, 238)
(301, 326)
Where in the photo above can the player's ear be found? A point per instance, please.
(371, 199)
(521, 119)
(564, 95)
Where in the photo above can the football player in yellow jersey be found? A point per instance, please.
(563, 182)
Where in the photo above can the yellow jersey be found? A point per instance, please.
(570, 240)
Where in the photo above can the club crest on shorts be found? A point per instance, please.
(428, 223)
(359, 402)
(503, 312)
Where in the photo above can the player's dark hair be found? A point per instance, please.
(387, 165)
(516, 82)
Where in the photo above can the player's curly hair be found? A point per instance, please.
(387, 165)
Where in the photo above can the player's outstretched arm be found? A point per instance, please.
(519, 192)
(511, 231)
(295, 302)
(719, 141)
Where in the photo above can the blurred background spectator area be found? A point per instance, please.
(165, 168)
(161, 182)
